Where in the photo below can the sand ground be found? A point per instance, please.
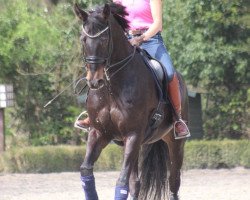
(223, 184)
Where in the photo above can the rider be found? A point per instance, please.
(145, 18)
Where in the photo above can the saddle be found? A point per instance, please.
(159, 74)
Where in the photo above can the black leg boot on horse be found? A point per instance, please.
(180, 127)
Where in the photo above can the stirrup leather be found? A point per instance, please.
(184, 136)
(78, 118)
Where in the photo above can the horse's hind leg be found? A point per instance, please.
(134, 182)
(176, 151)
(96, 142)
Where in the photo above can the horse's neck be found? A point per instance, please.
(121, 46)
(132, 73)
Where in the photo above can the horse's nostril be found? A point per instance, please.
(93, 83)
(100, 82)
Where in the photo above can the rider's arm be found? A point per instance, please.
(156, 10)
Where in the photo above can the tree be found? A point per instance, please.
(39, 54)
(209, 42)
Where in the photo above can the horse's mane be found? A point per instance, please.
(118, 11)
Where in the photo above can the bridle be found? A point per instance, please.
(107, 60)
(97, 59)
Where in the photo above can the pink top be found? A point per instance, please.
(139, 11)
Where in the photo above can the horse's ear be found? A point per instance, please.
(106, 11)
(80, 13)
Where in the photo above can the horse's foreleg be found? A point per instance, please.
(131, 152)
(176, 151)
(96, 142)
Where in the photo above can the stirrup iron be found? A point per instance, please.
(78, 118)
(184, 136)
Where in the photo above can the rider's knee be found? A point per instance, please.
(167, 63)
(170, 75)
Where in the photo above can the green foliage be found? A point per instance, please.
(216, 154)
(2, 168)
(245, 158)
(110, 159)
(46, 159)
(198, 155)
(209, 43)
(36, 55)
(43, 159)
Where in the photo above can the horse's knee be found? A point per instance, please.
(86, 171)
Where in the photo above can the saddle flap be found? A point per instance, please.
(158, 71)
(157, 67)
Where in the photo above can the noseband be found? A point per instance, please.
(107, 61)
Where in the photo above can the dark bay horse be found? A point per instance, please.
(121, 100)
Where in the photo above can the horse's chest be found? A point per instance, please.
(98, 107)
(102, 112)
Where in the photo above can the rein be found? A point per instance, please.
(126, 60)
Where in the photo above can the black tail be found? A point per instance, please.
(153, 167)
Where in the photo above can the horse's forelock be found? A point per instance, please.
(95, 20)
(117, 10)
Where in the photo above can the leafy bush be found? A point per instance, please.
(43, 159)
(198, 154)
(1, 164)
(245, 157)
(110, 159)
(217, 154)
(46, 159)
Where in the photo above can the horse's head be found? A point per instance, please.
(96, 43)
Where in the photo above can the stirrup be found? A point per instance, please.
(80, 127)
(184, 136)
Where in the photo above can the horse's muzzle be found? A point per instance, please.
(96, 84)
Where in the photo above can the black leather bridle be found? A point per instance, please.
(107, 60)
(97, 59)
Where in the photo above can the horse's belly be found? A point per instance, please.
(156, 135)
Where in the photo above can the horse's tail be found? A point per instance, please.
(153, 167)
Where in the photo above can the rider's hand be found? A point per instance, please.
(136, 41)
